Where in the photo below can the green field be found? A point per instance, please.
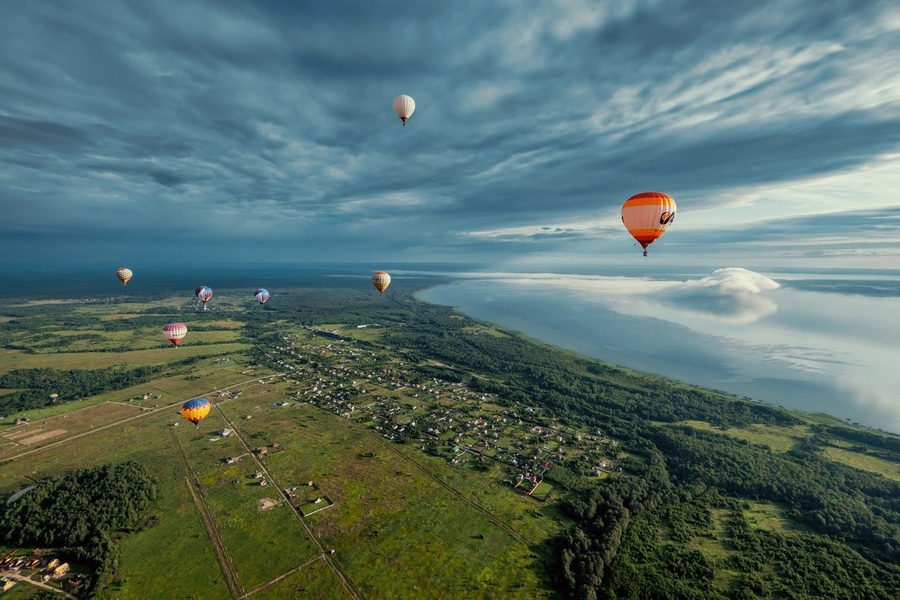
(860, 460)
(395, 518)
(14, 359)
(777, 439)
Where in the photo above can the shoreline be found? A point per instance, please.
(783, 393)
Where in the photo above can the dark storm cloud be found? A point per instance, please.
(272, 121)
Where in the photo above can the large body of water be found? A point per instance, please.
(814, 342)
(818, 342)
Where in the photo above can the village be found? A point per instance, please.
(41, 568)
(442, 418)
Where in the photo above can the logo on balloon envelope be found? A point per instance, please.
(666, 218)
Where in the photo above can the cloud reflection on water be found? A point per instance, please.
(734, 329)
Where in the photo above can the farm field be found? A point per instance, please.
(388, 518)
(13, 359)
(778, 439)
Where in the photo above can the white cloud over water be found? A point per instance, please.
(825, 349)
(731, 294)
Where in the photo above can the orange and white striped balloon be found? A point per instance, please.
(647, 216)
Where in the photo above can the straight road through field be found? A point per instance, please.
(209, 523)
(324, 553)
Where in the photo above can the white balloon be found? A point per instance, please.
(404, 106)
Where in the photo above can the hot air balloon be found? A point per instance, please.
(404, 106)
(204, 293)
(124, 274)
(381, 281)
(195, 410)
(175, 332)
(53, 397)
(647, 215)
(261, 295)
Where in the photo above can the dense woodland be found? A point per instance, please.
(79, 512)
(673, 523)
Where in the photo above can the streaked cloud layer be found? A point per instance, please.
(264, 131)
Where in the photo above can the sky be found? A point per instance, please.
(226, 131)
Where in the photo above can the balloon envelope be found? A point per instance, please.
(175, 332)
(404, 106)
(124, 274)
(195, 410)
(381, 281)
(204, 293)
(261, 295)
(647, 216)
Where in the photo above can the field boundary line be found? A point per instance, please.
(348, 584)
(269, 584)
(209, 523)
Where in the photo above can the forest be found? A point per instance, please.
(79, 513)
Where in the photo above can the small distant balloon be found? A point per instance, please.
(124, 274)
(647, 215)
(404, 106)
(53, 397)
(195, 410)
(203, 293)
(261, 295)
(381, 280)
(175, 332)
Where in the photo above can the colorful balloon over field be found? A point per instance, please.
(261, 295)
(195, 410)
(381, 281)
(175, 332)
(404, 106)
(647, 216)
(203, 293)
(124, 274)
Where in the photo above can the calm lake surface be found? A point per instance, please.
(811, 342)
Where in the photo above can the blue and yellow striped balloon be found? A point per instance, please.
(195, 410)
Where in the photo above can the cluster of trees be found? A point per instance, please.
(658, 555)
(77, 513)
(841, 502)
(35, 385)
